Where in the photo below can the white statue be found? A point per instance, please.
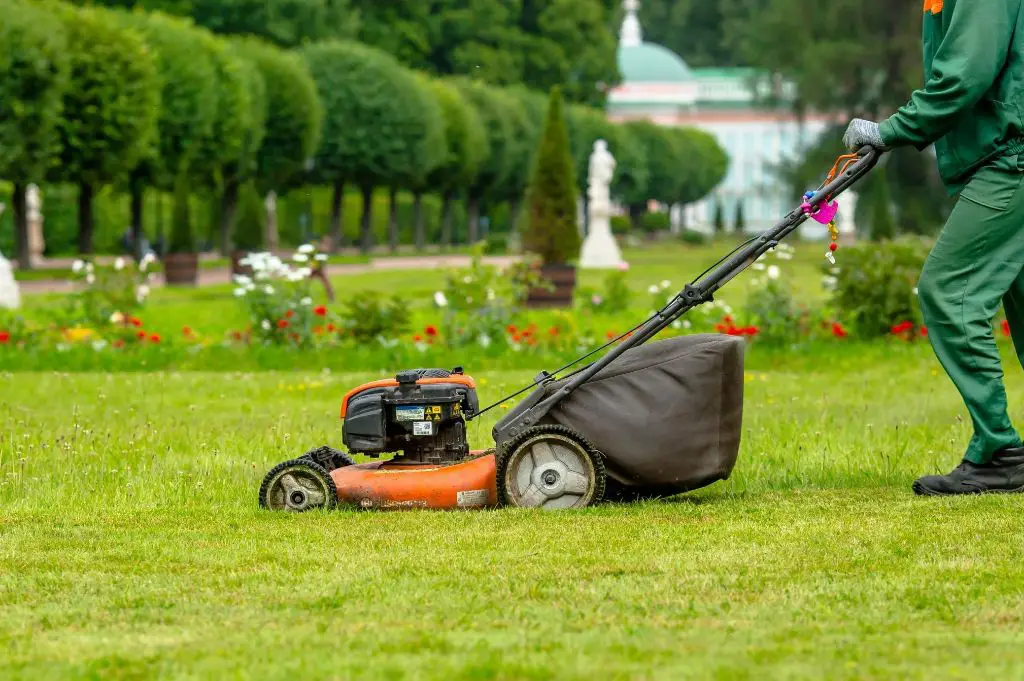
(10, 296)
(599, 248)
(34, 218)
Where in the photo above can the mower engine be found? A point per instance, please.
(420, 413)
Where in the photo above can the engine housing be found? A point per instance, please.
(420, 413)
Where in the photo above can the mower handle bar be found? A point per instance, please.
(700, 291)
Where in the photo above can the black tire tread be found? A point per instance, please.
(332, 500)
(596, 457)
(338, 458)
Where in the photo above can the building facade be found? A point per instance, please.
(729, 103)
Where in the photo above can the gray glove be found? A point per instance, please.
(863, 133)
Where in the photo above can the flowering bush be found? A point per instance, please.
(876, 287)
(277, 297)
(480, 301)
(106, 290)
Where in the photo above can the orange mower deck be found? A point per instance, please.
(386, 485)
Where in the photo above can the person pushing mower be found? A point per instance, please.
(970, 108)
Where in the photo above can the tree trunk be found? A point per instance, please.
(418, 223)
(393, 220)
(473, 217)
(366, 223)
(160, 224)
(138, 195)
(636, 213)
(228, 210)
(446, 220)
(85, 218)
(514, 206)
(21, 245)
(337, 214)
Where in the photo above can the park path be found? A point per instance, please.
(212, 277)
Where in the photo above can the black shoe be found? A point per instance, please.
(1004, 474)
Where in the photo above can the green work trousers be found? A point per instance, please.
(978, 262)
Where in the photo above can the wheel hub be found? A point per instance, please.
(296, 489)
(551, 471)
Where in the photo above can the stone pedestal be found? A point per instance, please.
(600, 249)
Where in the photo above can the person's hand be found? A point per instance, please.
(862, 133)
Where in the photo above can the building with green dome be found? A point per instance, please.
(729, 103)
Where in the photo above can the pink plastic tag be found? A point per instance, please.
(825, 214)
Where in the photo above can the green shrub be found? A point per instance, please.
(367, 316)
(621, 225)
(693, 237)
(656, 222)
(615, 296)
(875, 285)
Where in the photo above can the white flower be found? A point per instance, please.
(77, 266)
(726, 309)
(676, 324)
(90, 279)
(147, 260)
(386, 342)
(98, 345)
(467, 279)
(595, 299)
(304, 272)
(119, 264)
(240, 292)
(142, 293)
(306, 301)
(484, 340)
(265, 325)
(300, 257)
(242, 280)
(773, 272)
(666, 283)
(784, 255)
(116, 318)
(89, 268)
(320, 257)
(653, 289)
(421, 346)
(828, 281)
(269, 290)
(915, 290)
(490, 294)
(758, 266)
(440, 300)
(306, 249)
(687, 324)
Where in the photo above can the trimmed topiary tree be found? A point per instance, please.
(33, 78)
(110, 112)
(294, 114)
(497, 166)
(467, 147)
(552, 232)
(382, 127)
(243, 168)
(188, 108)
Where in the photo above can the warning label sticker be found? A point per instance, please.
(471, 497)
(422, 428)
(409, 413)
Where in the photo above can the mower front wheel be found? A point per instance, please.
(297, 486)
(550, 467)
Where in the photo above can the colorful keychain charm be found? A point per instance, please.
(833, 235)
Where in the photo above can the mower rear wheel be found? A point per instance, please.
(550, 467)
(297, 486)
(327, 458)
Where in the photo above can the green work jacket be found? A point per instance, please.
(971, 104)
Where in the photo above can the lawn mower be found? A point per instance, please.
(644, 420)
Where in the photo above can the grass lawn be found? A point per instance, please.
(131, 546)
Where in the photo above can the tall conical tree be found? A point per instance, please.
(552, 232)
